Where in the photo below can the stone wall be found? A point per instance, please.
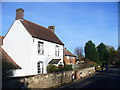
(46, 80)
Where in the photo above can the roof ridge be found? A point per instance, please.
(40, 32)
(69, 53)
(38, 25)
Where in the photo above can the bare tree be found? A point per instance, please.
(79, 53)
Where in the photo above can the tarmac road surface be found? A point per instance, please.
(105, 79)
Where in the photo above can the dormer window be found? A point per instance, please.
(57, 50)
(40, 47)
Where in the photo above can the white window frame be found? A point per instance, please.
(57, 50)
(40, 47)
(72, 57)
(67, 57)
(40, 67)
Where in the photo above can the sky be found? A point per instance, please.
(75, 22)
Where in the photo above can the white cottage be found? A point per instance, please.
(32, 46)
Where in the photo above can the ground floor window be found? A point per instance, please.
(40, 67)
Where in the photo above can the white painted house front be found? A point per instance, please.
(32, 46)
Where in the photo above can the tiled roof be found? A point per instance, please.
(40, 32)
(54, 61)
(68, 53)
(8, 59)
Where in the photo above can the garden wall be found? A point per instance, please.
(46, 80)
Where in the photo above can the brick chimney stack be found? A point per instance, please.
(52, 28)
(19, 13)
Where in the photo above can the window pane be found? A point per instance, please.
(57, 50)
(38, 71)
(40, 67)
(40, 47)
(67, 57)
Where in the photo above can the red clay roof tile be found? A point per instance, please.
(68, 53)
(40, 32)
(7, 58)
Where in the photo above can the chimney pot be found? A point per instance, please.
(52, 28)
(19, 13)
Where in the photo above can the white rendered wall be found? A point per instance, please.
(17, 44)
(49, 54)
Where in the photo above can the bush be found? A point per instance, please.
(7, 69)
(51, 68)
(67, 68)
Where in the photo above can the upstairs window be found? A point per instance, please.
(72, 57)
(57, 50)
(40, 47)
(67, 57)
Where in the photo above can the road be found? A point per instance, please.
(105, 79)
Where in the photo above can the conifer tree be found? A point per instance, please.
(91, 52)
(103, 53)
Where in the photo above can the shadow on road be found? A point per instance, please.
(105, 79)
(102, 79)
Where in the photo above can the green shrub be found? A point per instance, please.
(7, 69)
(51, 68)
(67, 68)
